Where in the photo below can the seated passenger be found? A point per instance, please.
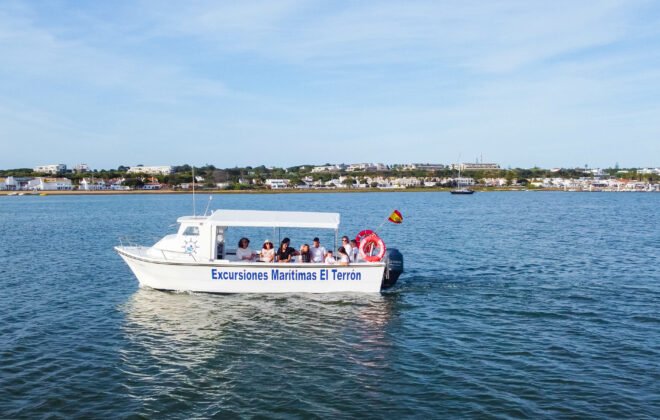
(345, 243)
(356, 250)
(285, 252)
(344, 259)
(329, 259)
(305, 254)
(318, 252)
(243, 252)
(267, 252)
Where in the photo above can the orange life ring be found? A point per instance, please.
(367, 246)
(363, 234)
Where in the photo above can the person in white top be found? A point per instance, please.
(243, 252)
(343, 256)
(347, 246)
(268, 252)
(356, 250)
(329, 259)
(318, 252)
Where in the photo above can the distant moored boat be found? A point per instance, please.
(461, 190)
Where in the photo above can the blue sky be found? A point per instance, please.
(523, 83)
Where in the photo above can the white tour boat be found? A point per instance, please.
(196, 259)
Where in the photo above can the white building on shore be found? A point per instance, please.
(277, 184)
(328, 168)
(50, 169)
(480, 166)
(218, 185)
(88, 184)
(49, 184)
(151, 170)
(9, 184)
(404, 182)
(152, 186)
(81, 167)
(367, 167)
(648, 171)
(421, 167)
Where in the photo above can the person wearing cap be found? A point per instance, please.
(318, 252)
(267, 252)
(285, 252)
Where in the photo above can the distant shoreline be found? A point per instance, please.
(202, 192)
(282, 191)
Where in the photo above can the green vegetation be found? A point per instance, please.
(252, 178)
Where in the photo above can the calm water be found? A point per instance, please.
(512, 305)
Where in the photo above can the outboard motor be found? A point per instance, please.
(393, 260)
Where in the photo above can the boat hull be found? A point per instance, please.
(230, 277)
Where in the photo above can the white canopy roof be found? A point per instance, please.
(259, 218)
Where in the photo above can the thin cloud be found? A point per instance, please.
(359, 78)
(41, 55)
(483, 37)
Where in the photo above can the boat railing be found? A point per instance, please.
(164, 252)
(128, 241)
(168, 255)
(135, 241)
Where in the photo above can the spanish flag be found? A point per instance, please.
(396, 217)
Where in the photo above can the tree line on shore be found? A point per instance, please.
(210, 176)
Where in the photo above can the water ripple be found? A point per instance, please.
(532, 305)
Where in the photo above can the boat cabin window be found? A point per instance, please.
(191, 231)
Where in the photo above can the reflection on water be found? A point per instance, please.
(168, 324)
(222, 343)
(189, 318)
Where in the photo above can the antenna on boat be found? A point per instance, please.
(208, 204)
(193, 182)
